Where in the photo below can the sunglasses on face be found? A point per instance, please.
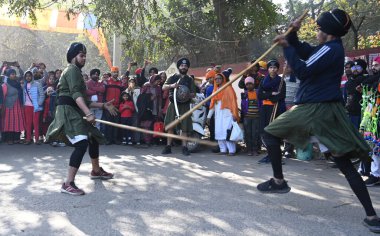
(357, 68)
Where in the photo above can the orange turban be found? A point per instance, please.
(211, 74)
(114, 69)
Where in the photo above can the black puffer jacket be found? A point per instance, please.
(353, 95)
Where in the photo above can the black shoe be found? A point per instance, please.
(215, 150)
(167, 150)
(264, 160)
(270, 186)
(372, 225)
(372, 181)
(185, 151)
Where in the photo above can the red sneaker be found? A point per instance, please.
(71, 189)
(102, 174)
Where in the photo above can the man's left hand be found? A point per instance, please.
(111, 108)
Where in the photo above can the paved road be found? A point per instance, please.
(204, 194)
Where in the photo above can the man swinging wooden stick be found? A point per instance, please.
(319, 113)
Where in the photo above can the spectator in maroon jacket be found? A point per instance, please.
(95, 92)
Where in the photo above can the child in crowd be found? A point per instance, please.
(271, 91)
(34, 98)
(134, 91)
(126, 109)
(49, 105)
(250, 110)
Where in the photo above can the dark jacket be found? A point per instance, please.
(319, 69)
(372, 81)
(353, 96)
(269, 85)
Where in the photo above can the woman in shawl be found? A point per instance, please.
(13, 112)
(224, 105)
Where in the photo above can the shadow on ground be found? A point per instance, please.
(204, 194)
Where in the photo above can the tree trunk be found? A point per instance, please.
(226, 33)
(356, 37)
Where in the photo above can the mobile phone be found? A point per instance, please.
(133, 63)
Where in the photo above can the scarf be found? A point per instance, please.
(15, 84)
(227, 97)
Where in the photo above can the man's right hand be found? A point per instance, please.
(175, 85)
(91, 119)
(146, 62)
(295, 25)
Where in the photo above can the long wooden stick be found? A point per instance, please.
(188, 113)
(136, 129)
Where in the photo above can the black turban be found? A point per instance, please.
(93, 71)
(74, 50)
(183, 61)
(336, 22)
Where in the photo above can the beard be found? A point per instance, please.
(183, 71)
(80, 66)
(375, 72)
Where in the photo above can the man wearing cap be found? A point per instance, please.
(95, 93)
(113, 90)
(68, 124)
(173, 82)
(319, 114)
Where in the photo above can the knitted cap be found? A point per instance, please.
(249, 79)
(227, 73)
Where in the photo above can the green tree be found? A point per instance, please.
(207, 31)
(365, 15)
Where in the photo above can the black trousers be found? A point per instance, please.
(111, 133)
(344, 164)
(80, 149)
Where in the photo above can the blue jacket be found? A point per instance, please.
(36, 94)
(319, 69)
(209, 90)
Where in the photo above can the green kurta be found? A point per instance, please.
(69, 120)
